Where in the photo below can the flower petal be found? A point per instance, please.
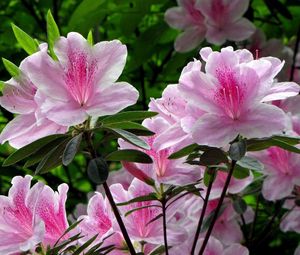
(282, 90)
(112, 99)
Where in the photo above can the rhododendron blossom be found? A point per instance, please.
(282, 170)
(233, 92)
(190, 19)
(216, 20)
(138, 223)
(19, 97)
(82, 82)
(162, 170)
(30, 216)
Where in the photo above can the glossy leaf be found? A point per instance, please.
(25, 40)
(98, 170)
(128, 116)
(184, 151)
(71, 149)
(13, 70)
(130, 156)
(52, 33)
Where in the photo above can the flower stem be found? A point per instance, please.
(110, 199)
(216, 214)
(163, 203)
(211, 180)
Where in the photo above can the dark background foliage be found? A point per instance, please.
(152, 64)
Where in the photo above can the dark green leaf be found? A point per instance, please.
(85, 245)
(25, 40)
(98, 170)
(52, 159)
(52, 33)
(285, 145)
(239, 205)
(213, 156)
(149, 197)
(131, 138)
(29, 149)
(131, 126)
(280, 8)
(184, 151)
(71, 149)
(130, 156)
(238, 150)
(13, 70)
(128, 116)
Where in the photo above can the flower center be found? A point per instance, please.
(80, 76)
(229, 94)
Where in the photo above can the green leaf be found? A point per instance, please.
(85, 245)
(250, 163)
(159, 250)
(52, 159)
(90, 38)
(238, 150)
(128, 116)
(184, 151)
(209, 175)
(285, 145)
(130, 156)
(52, 33)
(213, 156)
(140, 208)
(41, 153)
(13, 70)
(133, 127)
(25, 40)
(131, 138)
(71, 149)
(239, 205)
(149, 197)
(29, 149)
(240, 172)
(98, 170)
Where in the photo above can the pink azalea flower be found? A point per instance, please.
(282, 170)
(137, 222)
(162, 170)
(99, 221)
(20, 229)
(215, 247)
(188, 18)
(19, 97)
(50, 208)
(227, 222)
(291, 220)
(82, 82)
(224, 20)
(235, 185)
(233, 92)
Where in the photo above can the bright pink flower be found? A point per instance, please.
(188, 18)
(82, 82)
(282, 170)
(19, 97)
(99, 221)
(215, 247)
(233, 92)
(20, 228)
(50, 208)
(137, 222)
(224, 20)
(163, 170)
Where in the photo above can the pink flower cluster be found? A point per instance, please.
(51, 95)
(215, 20)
